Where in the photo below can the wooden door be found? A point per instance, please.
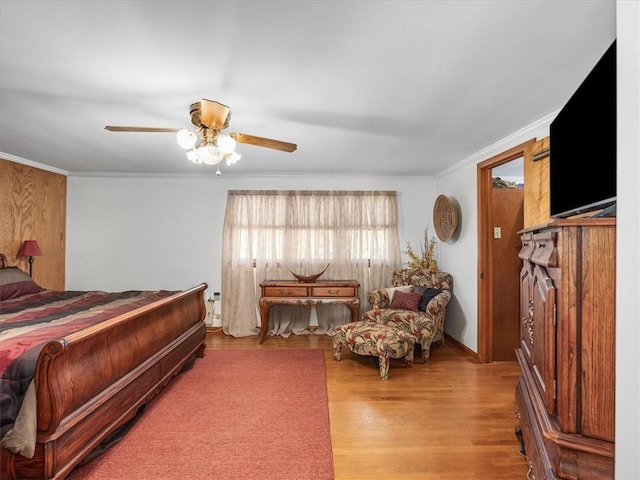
(507, 207)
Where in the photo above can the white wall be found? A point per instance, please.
(166, 232)
(460, 258)
(627, 242)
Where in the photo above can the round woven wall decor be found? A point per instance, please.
(445, 218)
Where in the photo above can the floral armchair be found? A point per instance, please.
(415, 302)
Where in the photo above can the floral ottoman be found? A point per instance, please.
(382, 341)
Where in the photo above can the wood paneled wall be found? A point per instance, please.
(33, 206)
(536, 185)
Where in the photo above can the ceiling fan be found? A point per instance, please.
(210, 145)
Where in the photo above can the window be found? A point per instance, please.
(273, 233)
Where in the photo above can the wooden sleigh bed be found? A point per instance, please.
(90, 383)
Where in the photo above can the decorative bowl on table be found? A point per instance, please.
(309, 278)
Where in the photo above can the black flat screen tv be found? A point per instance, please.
(582, 145)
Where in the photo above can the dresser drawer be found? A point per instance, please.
(333, 292)
(284, 291)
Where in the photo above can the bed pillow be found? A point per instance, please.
(15, 283)
(427, 295)
(406, 301)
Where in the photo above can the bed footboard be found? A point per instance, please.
(91, 382)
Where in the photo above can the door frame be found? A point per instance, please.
(485, 246)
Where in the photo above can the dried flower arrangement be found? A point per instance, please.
(427, 258)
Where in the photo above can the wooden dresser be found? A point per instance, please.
(309, 294)
(565, 397)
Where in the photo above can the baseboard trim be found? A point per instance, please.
(461, 346)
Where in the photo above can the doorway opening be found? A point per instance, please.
(498, 297)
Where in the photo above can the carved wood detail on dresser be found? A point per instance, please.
(566, 395)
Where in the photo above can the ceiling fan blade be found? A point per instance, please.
(112, 128)
(214, 114)
(264, 142)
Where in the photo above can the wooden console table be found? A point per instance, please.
(291, 292)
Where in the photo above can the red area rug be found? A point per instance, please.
(237, 414)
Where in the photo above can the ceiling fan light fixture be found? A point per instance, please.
(193, 156)
(209, 145)
(209, 154)
(186, 138)
(232, 157)
(225, 143)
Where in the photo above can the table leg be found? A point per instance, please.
(355, 310)
(264, 321)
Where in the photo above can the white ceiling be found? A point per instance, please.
(362, 87)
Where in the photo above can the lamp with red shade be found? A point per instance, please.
(30, 249)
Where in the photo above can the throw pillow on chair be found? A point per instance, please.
(406, 301)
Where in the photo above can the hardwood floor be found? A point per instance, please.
(452, 419)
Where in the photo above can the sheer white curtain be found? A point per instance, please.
(269, 234)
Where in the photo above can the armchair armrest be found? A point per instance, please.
(439, 302)
(378, 298)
